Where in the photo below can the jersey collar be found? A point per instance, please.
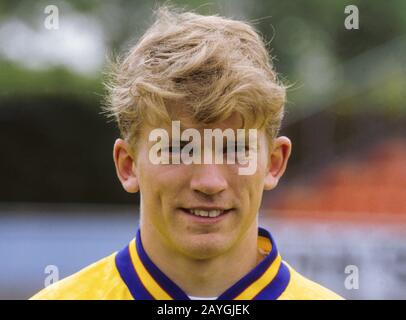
(146, 281)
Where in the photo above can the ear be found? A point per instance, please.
(278, 159)
(125, 166)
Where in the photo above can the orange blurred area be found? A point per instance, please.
(370, 187)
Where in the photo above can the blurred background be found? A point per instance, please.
(341, 204)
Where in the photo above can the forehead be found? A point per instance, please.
(184, 115)
(234, 122)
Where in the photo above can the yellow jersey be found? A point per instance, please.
(130, 274)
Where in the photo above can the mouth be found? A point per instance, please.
(206, 213)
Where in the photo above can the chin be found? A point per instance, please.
(205, 246)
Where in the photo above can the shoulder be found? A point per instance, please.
(301, 288)
(97, 281)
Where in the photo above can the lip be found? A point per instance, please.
(208, 208)
(206, 220)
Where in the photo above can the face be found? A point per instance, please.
(175, 198)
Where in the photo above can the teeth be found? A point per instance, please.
(214, 213)
(205, 213)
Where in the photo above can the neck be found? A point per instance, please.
(203, 277)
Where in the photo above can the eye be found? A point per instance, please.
(175, 149)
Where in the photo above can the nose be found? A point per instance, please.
(208, 179)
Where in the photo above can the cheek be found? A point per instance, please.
(252, 186)
(161, 181)
(255, 186)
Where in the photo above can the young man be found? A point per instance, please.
(198, 236)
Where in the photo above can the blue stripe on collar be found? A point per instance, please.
(277, 286)
(127, 272)
(165, 283)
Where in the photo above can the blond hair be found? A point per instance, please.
(209, 66)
